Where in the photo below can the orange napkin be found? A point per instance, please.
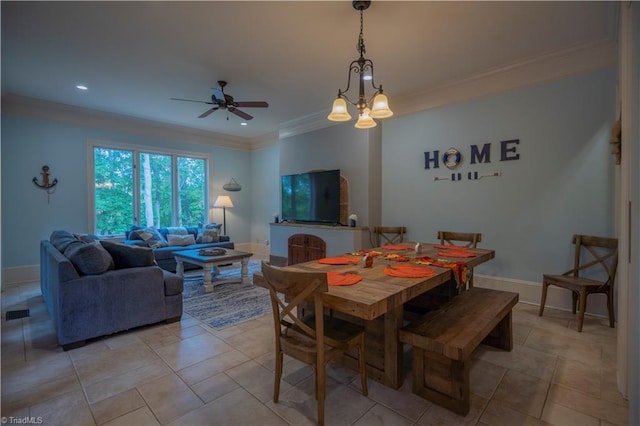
(397, 247)
(409, 271)
(456, 253)
(346, 278)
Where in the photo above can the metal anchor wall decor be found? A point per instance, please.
(47, 185)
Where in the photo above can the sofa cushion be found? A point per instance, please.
(176, 230)
(129, 256)
(209, 235)
(180, 240)
(151, 236)
(62, 239)
(89, 258)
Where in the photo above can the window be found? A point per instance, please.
(147, 188)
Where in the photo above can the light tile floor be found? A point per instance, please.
(186, 373)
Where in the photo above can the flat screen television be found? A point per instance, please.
(312, 197)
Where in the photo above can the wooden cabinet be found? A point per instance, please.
(305, 247)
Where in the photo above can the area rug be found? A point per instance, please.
(229, 303)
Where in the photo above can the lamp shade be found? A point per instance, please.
(339, 111)
(223, 201)
(381, 107)
(365, 121)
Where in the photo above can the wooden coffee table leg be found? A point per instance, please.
(179, 267)
(244, 271)
(209, 272)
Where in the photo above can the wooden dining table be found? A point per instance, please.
(377, 301)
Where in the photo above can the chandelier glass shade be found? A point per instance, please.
(368, 109)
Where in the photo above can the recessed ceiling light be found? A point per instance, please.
(243, 124)
(81, 87)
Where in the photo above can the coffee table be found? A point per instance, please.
(210, 263)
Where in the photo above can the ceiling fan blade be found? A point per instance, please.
(207, 112)
(252, 104)
(240, 113)
(191, 100)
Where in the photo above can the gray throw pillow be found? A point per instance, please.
(180, 240)
(129, 256)
(152, 237)
(209, 236)
(62, 239)
(89, 258)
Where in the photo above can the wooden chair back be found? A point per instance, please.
(389, 234)
(298, 288)
(471, 239)
(596, 258)
(595, 263)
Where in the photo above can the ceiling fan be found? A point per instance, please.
(221, 100)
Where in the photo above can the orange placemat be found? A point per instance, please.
(339, 278)
(456, 253)
(409, 271)
(459, 269)
(340, 260)
(397, 247)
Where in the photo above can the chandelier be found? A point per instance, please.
(378, 105)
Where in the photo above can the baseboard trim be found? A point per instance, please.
(17, 275)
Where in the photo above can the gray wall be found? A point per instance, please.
(562, 184)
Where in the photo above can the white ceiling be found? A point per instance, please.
(135, 56)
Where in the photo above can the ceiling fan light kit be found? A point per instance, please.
(364, 69)
(221, 100)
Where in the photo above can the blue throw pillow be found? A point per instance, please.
(129, 256)
(89, 258)
(62, 239)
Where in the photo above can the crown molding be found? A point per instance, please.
(308, 123)
(47, 110)
(551, 66)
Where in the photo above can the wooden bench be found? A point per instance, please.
(443, 341)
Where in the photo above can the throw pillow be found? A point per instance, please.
(176, 230)
(62, 239)
(87, 238)
(152, 237)
(129, 256)
(89, 258)
(180, 240)
(208, 236)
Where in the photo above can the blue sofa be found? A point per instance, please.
(89, 295)
(164, 255)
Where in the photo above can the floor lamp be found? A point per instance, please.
(223, 201)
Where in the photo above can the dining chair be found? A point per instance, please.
(470, 238)
(594, 271)
(315, 339)
(389, 234)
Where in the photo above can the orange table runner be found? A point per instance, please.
(409, 271)
(340, 260)
(459, 269)
(397, 247)
(340, 278)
